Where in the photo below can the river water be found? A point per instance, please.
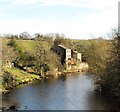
(71, 92)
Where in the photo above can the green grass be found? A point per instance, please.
(27, 45)
(18, 73)
(30, 45)
(19, 77)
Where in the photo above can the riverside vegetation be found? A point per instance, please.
(33, 57)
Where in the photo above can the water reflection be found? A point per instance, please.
(71, 92)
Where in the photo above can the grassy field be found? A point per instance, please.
(28, 45)
(15, 77)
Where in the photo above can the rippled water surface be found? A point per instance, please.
(71, 92)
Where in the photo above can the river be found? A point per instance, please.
(70, 92)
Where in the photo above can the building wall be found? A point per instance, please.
(62, 52)
(68, 59)
(74, 54)
(68, 56)
(79, 57)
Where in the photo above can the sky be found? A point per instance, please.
(77, 19)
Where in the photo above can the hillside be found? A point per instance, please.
(15, 76)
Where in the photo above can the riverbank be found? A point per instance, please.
(14, 77)
(68, 92)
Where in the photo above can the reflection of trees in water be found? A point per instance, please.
(63, 77)
(66, 76)
(98, 101)
(9, 103)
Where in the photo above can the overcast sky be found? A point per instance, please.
(78, 19)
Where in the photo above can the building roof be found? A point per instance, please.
(62, 46)
(75, 51)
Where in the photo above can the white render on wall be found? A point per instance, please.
(79, 56)
(68, 54)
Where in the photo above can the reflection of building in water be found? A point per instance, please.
(68, 56)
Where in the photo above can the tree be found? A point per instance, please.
(96, 55)
(110, 80)
(41, 60)
(9, 55)
(12, 43)
(38, 36)
(54, 61)
(45, 60)
(60, 39)
(25, 35)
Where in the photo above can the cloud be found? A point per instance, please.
(98, 23)
(74, 3)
